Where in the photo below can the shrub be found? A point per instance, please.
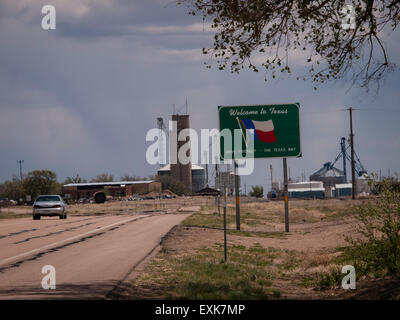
(258, 192)
(379, 224)
(177, 187)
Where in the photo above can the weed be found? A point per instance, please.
(330, 279)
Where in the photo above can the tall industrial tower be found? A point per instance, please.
(179, 171)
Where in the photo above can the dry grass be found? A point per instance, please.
(263, 261)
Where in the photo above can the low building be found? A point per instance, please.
(208, 192)
(276, 186)
(76, 191)
(307, 193)
(343, 190)
(305, 185)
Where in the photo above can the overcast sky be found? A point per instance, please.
(80, 99)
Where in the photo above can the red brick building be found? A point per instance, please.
(76, 191)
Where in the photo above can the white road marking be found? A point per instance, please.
(4, 261)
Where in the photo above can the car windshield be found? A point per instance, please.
(48, 199)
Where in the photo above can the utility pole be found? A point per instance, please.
(272, 183)
(206, 160)
(353, 173)
(343, 146)
(20, 168)
(207, 175)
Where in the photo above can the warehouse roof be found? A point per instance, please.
(306, 189)
(168, 167)
(328, 170)
(343, 185)
(116, 183)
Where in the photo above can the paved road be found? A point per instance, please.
(91, 254)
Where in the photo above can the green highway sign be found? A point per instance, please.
(265, 131)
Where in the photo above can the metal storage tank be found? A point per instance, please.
(329, 175)
(198, 176)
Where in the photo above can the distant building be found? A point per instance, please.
(304, 193)
(208, 192)
(226, 179)
(343, 190)
(76, 191)
(276, 186)
(305, 185)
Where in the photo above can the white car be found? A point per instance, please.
(49, 205)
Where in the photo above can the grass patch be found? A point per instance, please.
(279, 235)
(13, 215)
(248, 274)
(253, 216)
(250, 218)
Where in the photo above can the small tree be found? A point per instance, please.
(13, 190)
(316, 32)
(76, 179)
(257, 191)
(39, 182)
(128, 177)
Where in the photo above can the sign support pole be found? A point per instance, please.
(225, 249)
(237, 196)
(285, 194)
(219, 205)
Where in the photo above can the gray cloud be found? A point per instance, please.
(80, 99)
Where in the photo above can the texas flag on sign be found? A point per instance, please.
(263, 130)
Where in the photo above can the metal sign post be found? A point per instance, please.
(225, 249)
(237, 197)
(219, 204)
(285, 194)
